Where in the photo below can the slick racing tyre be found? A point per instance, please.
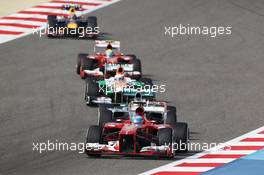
(91, 88)
(180, 136)
(164, 136)
(93, 136)
(137, 67)
(52, 23)
(92, 23)
(86, 64)
(171, 115)
(78, 64)
(104, 115)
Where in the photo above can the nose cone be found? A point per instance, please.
(72, 25)
(129, 130)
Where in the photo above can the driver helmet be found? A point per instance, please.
(138, 117)
(119, 73)
(109, 51)
(72, 11)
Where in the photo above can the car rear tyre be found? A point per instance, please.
(78, 64)
(164, 136)
(52, 22)
(90, 90)
(137, 67)
(86, 64)
(180, 136)
(104, 115)
(171, 115)
(92, 22)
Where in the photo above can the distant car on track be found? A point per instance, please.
(72, 25)
(100, 64)
(116, 89)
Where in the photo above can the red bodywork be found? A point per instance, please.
(115, 59)
(121, 130)
(100, 59)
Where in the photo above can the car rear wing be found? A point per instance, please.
(113, 67)
(128, 69)
(105, 43)
(149, 106)
(73, 6)
(71, 9)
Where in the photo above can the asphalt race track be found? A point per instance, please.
(217, 84)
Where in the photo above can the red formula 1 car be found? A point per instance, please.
(139, 129)
(106, 59)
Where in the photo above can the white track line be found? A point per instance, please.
(22, 22)
(47, 10)
(15, 29)
(257, 136)
(213, 160)
(89, 1)
(28, 16)
(233, 152)
(187, 169)
(248, 144)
